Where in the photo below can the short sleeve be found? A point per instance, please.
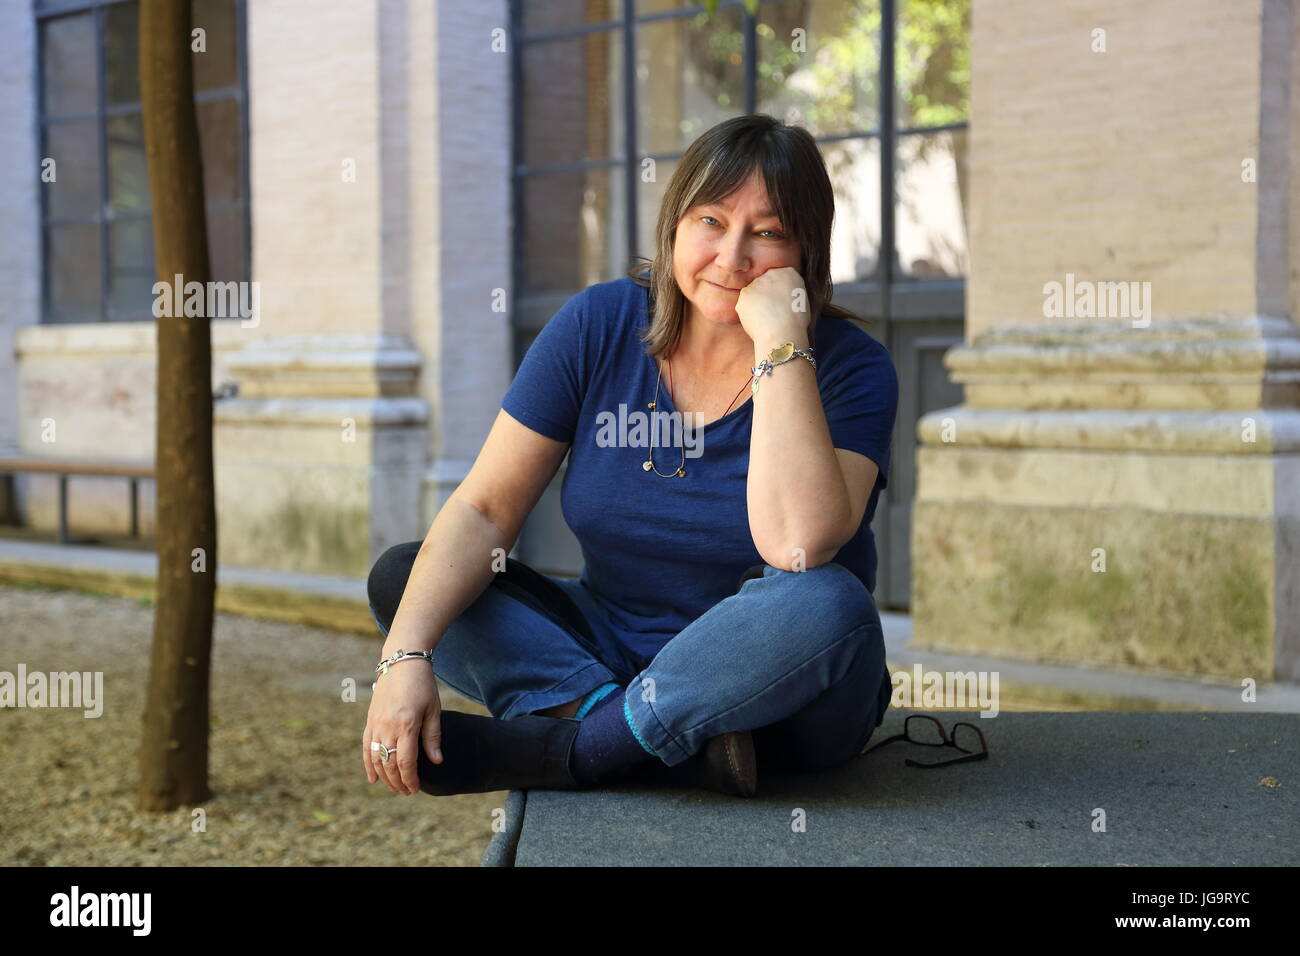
(860, 398)
(548, 389)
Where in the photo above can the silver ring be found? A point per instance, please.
(384, 752)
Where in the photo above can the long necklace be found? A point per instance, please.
(649, 463)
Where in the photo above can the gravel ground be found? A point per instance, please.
(285, 767)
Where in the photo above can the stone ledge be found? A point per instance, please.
(1200, 484)
(367, 411)
(327, 366)
(57, 340)
(1087, 332)
(1277, 430)
(1227, 363)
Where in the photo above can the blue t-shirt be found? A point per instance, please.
(662, 551)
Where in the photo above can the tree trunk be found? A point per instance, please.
(174, 746)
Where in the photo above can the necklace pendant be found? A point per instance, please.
(651, 406)
(681, 472)
(646, 465)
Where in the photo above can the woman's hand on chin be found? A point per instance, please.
(773, 305)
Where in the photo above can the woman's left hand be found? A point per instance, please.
(773, 305)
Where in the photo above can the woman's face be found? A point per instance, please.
(721, 248)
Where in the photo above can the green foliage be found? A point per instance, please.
(842, 66)
(932, 61)
(712, 5)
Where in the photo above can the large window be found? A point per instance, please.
(602, 86)
(97, 231)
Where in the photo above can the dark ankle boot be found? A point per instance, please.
(482, 754)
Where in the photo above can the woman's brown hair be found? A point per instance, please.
(719, 162)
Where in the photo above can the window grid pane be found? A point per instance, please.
(131, 277)
(122, 53)
(68, 81)
(104, 181)
(73, 273)
(572, 99)
(931, 215)
(818, 65)
(543, 16)
(74, 191)
(574, 231)
(690, 76)
(128, 173)
(854, 169)
(932, 63)
(650, 195)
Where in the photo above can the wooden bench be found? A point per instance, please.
(9, 467)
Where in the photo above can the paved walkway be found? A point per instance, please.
(1177, 789)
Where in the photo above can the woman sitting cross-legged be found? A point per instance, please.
(728, 434)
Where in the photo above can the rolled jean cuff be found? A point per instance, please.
(653, 735)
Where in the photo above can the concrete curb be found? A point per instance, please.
(339, 604)
(501, 849)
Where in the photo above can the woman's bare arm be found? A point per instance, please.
(452, 568)
(486, 512)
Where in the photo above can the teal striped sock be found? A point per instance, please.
(592, 699)
(607, 742)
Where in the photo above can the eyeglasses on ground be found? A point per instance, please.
(930, 733)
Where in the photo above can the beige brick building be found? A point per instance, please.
(1083, 269)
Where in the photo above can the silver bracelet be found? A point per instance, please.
(779, 356)
(382, 667)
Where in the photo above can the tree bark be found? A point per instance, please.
(174, 745)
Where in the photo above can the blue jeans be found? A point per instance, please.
(796, 657)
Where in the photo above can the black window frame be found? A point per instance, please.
(886, 295)
(44, 12)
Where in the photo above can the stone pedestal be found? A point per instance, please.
(321, 455)
(1121, 487)
(1119, 497)
(380, 241)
